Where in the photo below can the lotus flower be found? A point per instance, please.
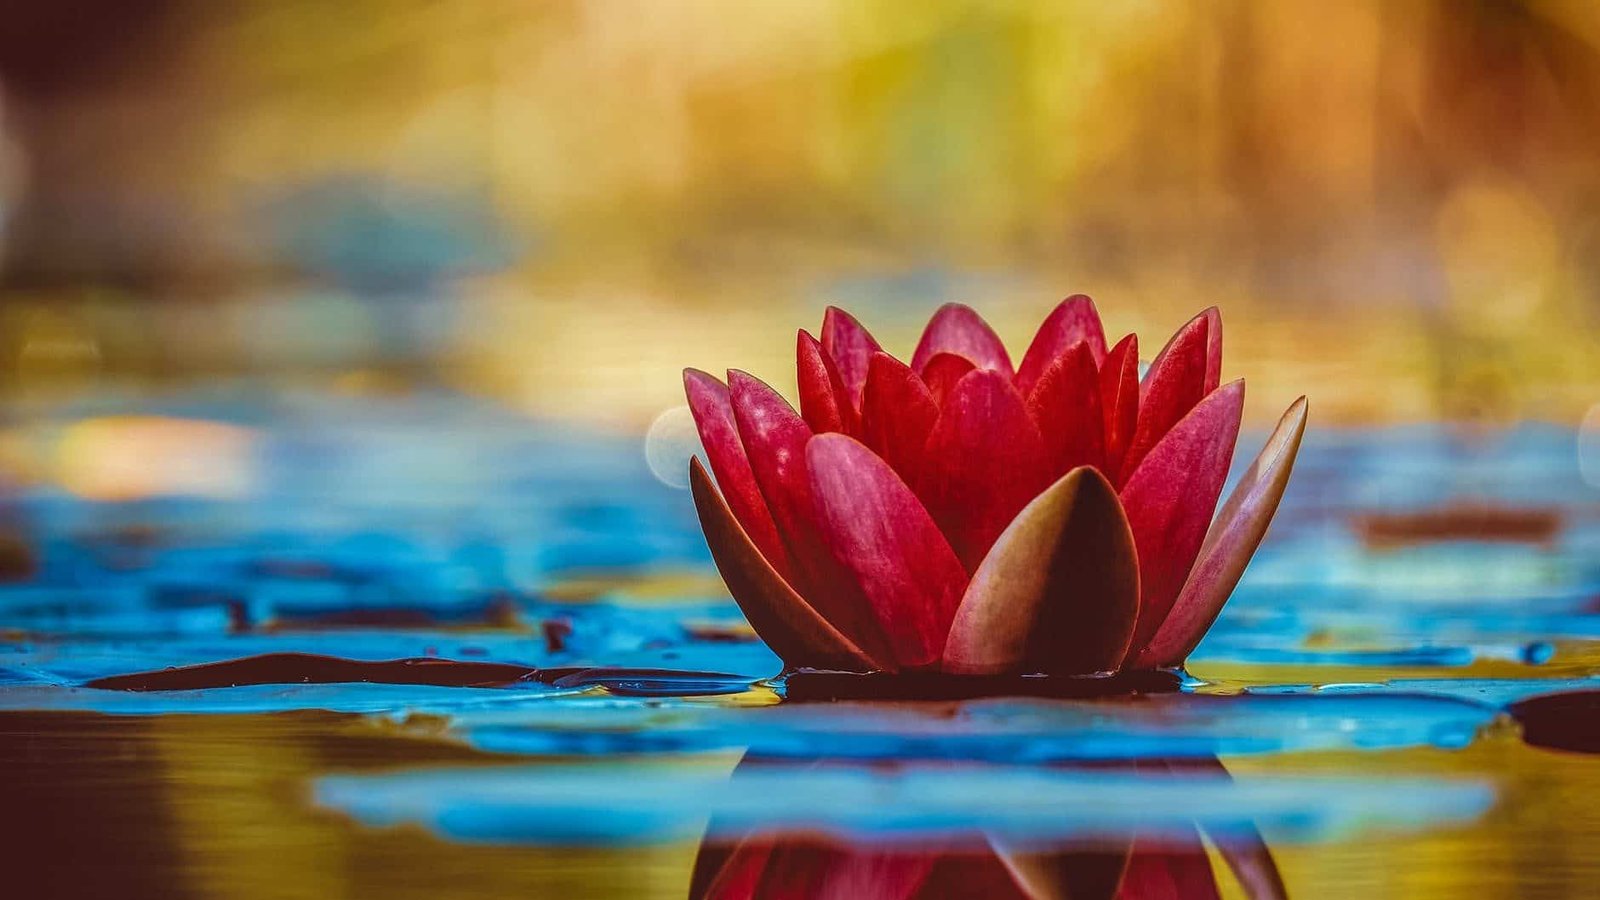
(959, 514)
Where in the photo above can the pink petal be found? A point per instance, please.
(957, 328)
(1174, 384)
(985, 461)
(824, 402)
(1169, 501)
(897, 414)
(1213, 318)
(942, 372)
(775, 440)
(713, 417)
(789, 625)
(1074, 320)
(1065, 404)
(850, 346)
(1058, 593)
(1229, 544)
(879, 530)
(1119, 402)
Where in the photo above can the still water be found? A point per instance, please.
(463, 654)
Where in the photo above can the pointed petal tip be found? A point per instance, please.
(1230, 543)
(1058, 593)
(693, 376)
(958, 328)
(1170, 500)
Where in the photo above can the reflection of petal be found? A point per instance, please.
(1167, 869)
(1241, 845)
(1072, 874)
(1171, 863)
(724, 872)
(1252, 863)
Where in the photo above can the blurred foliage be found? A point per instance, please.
(562, 203)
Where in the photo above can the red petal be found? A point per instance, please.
(1059, 593)
(1168, 870)
(713, 417)
(1241, 845)
(775, 440)
(1213, 318)
(850, 346)
(897, 414)
(789, 625)
(1073, 320)
(737, 874)
(1091, 872)
(972, 874)
(1229, 544)
(985, 461)
(880, 531)
(1169, 501)
(1065, 404)
(957, 328)
(942, 372)
(824, 402)
(801, 869)
(1174, 384)
(1119, 402)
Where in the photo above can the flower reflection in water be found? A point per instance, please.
(1168, 860)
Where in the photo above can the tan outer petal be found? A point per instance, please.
(1230, 543)
(794, 631)
(1059, 593)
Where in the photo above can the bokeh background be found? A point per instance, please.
(560, 204)
(551, 208)
(334, 327)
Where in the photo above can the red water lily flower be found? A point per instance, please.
(962, 515)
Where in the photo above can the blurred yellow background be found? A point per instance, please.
(561, 204)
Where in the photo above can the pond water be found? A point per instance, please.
(465, 654)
